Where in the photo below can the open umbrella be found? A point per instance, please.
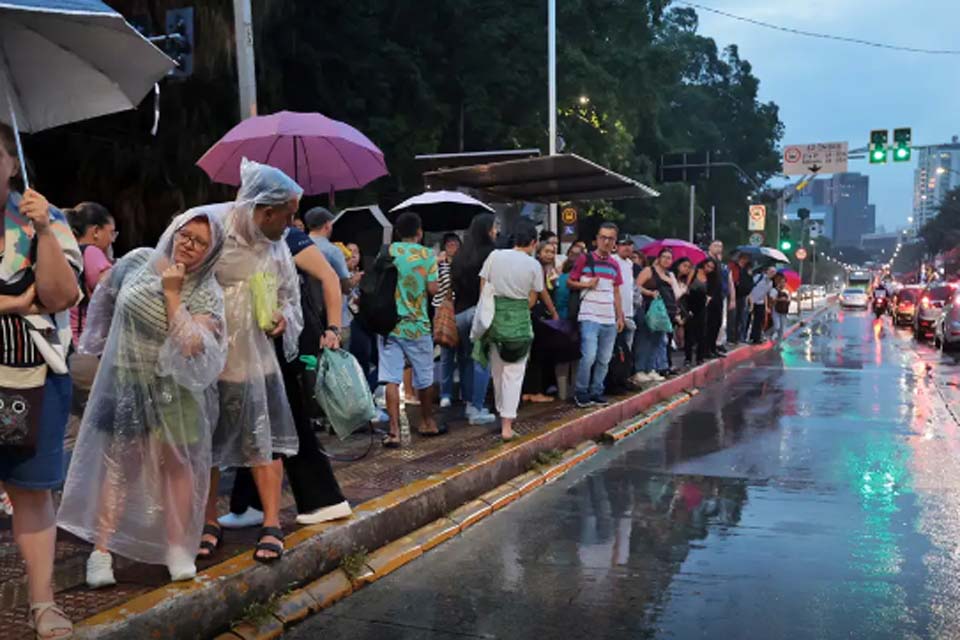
(321, 154)
(763, 254)
(680, 249)
(62, 61)
(442, 210)
(793, 279)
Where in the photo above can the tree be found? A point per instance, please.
(942, 233)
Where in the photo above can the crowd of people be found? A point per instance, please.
(185, 359)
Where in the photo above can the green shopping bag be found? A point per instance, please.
(341, 390)
(657, 318)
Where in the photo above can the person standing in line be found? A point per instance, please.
(517, 282)
(696, 341)
(31, 283)
(319, 223)
(624, 259)
(465, 269)
(718, 290)
(540, 372)
(742, 284)
(763, 283)
(95, 230)
(779, 301)
(597, 277)
(681, 271)
(450, 246)
(412, 338)
(261, 293)
(650, 350)
(143, 449)
(316, 492)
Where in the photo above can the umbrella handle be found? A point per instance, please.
(16, 137)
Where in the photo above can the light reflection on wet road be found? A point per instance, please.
(814, 495)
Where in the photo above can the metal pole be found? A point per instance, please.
(781, 211)
(552, 223)
(693, 195)
(813, 273)
(713, 222)
(16, 137)
(246, 69)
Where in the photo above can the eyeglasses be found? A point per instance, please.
(608, 238)
(193, 241)
(114, 235)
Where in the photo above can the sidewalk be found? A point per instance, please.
(393, 492)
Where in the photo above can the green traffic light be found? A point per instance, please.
(879, 156)
(786, 245)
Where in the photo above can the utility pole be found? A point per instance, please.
(246, 69)
(693, 196)
(713, 222)
(552, 223)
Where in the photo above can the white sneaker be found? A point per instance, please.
(445, 403)
(640, 377)
(100, 570)
(481, 417)
(249, 518)
(325, 514)
(180, 564)
(653, 376)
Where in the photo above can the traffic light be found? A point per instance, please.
(878, 146)
(786, 242)
(901, 145)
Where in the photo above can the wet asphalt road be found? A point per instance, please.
(813, 495)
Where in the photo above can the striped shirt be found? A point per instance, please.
(597, 304)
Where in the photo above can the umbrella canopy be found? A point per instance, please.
(793, 279)
(680, 249)
(763, 254)
(442, 210)
(321, 154)
(367, 227)
(68, 60)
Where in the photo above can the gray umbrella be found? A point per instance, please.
(62, 61)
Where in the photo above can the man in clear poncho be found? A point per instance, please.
(262, 300)
(138, 479)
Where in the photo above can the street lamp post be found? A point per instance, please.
(552, 223)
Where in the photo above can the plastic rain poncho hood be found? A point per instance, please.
(255, 420)
(140, 470)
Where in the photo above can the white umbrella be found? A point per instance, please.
(774, 254)
(443, 210)
(63, 61)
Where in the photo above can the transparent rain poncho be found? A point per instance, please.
(255, 420)
(140, 471)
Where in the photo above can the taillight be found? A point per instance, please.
(925, 302)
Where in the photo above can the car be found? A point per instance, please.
(854, 298)
(932, 300)
(946, 333)
(904, 306)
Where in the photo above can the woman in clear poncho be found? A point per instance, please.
(140, 471)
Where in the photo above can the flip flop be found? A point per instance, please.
(390, 442)
(441, 431)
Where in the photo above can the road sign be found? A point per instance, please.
(569, 215)
(801, 254)
(818, 158)
(757, 218)
(756, 239)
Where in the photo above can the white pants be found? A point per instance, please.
(507, 383)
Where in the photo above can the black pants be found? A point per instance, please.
(759, 318)
(737, 326)
(694, 336)
(714, 322)
(309, 472)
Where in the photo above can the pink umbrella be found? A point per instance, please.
(680, 249)
(321, 154)
(793, 279)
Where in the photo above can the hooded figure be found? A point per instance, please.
(139, 476)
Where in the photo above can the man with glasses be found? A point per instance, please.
(598, 279)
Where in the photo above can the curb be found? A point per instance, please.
(319, 594)
(461, 495)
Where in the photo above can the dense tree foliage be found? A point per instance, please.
(434, 76)
(942, 233)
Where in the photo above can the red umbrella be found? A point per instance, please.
(680, 249)
(793, 279)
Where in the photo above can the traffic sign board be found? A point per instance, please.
(820, 157)
(757, 218)
(801, 254)
(756, 239)
(569, 215)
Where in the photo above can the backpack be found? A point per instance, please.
(621, 366)
(377, 307)
(782, 303)
(573, 306)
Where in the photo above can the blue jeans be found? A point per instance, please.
(363, 346)
(596, 350)
(474, 379)
(649, 347)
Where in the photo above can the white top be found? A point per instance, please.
(626, 292)
(513, 273)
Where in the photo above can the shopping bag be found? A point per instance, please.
(264, 292)
(342, 391)
(486, 307)
(657, 318)
(445, 326)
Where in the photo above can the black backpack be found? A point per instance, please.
(573, 306)
(621, 366)
(377, 307)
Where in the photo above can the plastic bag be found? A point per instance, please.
(342, 391)
(657, 318)
(264, 289)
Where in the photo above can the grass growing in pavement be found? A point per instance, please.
(354, 564)
(545, 459)
(258, 613)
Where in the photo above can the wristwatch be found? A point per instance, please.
(335, 330)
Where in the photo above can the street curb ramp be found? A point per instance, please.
(220, 595)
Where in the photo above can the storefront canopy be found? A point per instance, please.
(547, 179)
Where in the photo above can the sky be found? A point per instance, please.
(834, 91)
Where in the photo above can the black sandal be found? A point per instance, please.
(273, 547)
(391, 442)
(210, 547)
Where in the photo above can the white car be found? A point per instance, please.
(854, 298)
